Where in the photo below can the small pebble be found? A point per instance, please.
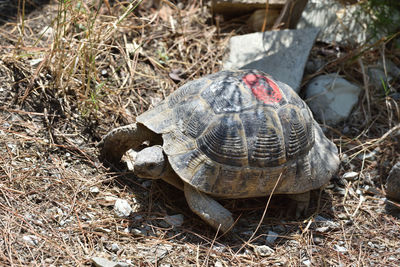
(368, 156)
(102, 262)
(319, 218)
(147, 183)
(94, 190)
(122, 208)
(318, 240)
(323, 229)
(138, 232)
(340, 248)
(263, 251)
(350, 176)
(174, 220)
(114, 247)
(31, 239)
(307, 262)
(342, 216)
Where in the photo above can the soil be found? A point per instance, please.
(70, 71)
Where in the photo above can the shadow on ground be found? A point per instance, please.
(160, 199)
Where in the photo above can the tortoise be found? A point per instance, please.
(231, 134)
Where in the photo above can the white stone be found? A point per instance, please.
(129, 159)
(94, 190)
(102, 262)
(114, 247)
(340, 248)
(282, 54)
(331, 98)
(322, 229)
(307, 262)
(34, 62)
(351, 176)
(122, 208)
(31, 239)
(368, 156)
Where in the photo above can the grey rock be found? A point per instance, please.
(122, 208)
(378, 78)
(271, 237)
(102, 262)
(160, 251)
(342, 24)
(331, 98)
(391, 68)
(174, 220)
(393, 182)
(114, 247)
(314, 64)
(368, 156)
(282, 54)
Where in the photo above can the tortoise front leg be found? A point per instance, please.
(119, 140)
(208, 209)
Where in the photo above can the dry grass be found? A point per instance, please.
(70, 71)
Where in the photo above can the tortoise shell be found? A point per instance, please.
(235, 133)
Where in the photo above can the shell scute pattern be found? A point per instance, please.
(228, 181)
(192, 116)
(224, 142)
(234, 133)
(186, 91)
(296, 136)
(264, 137)
(226, 94)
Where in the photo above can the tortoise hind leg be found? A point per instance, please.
(302, 202)
(119, 140)
(208, 209)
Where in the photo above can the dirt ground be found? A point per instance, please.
(70, 71)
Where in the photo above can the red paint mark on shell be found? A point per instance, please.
(263, 88)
